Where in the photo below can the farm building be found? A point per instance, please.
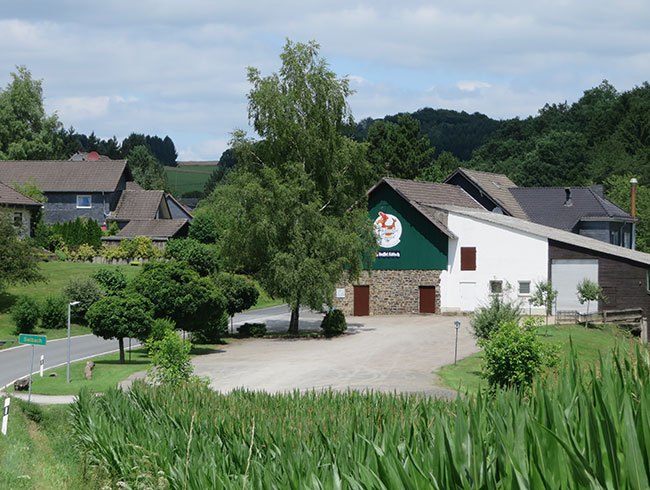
(440, 251)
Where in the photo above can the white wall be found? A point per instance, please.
(501, 254)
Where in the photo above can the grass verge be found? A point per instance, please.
(589, 344)
(40, 454)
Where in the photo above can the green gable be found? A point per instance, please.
(421, 245)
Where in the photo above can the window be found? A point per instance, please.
(524, 287)
(467, 258)
(84, 202)
(18, 219)
(496, 287)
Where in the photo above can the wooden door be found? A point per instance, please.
(427, 299)
(361, 300)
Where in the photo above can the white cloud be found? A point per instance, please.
(472, 85)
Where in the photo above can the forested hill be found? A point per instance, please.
(459, 133)
(604, 134)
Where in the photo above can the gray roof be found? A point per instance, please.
(10, 196)
(182, 206)
(496, 187)
(551, 233)
(138, 204)
(164, 228)
(64, 175)
(546, 205)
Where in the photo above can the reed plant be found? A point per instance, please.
(574, 429)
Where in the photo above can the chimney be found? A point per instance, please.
(633, 183)
(568, 202)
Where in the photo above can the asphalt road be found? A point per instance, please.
(15, 361)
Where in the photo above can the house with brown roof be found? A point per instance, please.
(86, 189)
(20, 208)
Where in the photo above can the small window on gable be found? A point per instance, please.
(647, 280)
(496, 287)
(18, 219)
(524, 287)
(84, 202)
(467, 258)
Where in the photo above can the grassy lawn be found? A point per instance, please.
(57, 274)
(588, 343)
(264, 300)
(188, 178)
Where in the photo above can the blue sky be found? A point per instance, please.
(179, 68)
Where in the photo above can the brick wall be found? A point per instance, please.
(391, 291)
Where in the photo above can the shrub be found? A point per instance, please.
(203, 228)
(113, 229)
(204, 259)
(85, 290)
(60, 254)
(112, 281)
(171, 361)
(252, 330)
(85, 253)
(54, 313)
(239, 291)
(334, 323)
(143, 248)
(159, 328)
(514, 355)
(486, 319)
(25, 313)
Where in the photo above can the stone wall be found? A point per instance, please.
(392, 292)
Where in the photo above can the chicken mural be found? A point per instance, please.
(388, 229)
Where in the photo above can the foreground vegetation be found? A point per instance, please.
(577, 429)
(588, 343)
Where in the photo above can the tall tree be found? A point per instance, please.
(286, 210)
(397, 149)
(147, 171)
(26, 131)
(17, 262)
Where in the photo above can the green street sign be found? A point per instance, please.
(25, 338)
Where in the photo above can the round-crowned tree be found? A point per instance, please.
(119, 317)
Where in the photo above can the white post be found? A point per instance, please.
(457, 325)
(42, 363)
(5, 417)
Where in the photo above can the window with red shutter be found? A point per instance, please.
(468, 258)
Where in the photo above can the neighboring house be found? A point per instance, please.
(89, 156)
(73, 189)
(20, 207)
(581, 210)
(442, 252)
(150, 213)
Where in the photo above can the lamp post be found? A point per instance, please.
(457, 325)
(73, 303)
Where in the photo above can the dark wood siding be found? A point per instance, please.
(623, 281)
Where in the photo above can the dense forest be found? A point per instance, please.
(458, 133)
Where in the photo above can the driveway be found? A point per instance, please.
(382, 353)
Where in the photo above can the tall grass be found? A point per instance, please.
(577, 430)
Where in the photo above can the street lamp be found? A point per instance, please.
(73, 303)
(457, 325)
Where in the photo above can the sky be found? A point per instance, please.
(175, 68)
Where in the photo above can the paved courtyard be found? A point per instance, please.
(383, 353)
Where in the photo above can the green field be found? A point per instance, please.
(188, 178)
(57, 274)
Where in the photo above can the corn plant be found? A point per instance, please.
(574, 429)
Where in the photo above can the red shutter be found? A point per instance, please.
(468, 258)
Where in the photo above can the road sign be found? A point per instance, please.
(25, 338)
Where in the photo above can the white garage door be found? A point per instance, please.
(565, 276)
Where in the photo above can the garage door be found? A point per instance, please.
(565, 276)
(427, 299)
